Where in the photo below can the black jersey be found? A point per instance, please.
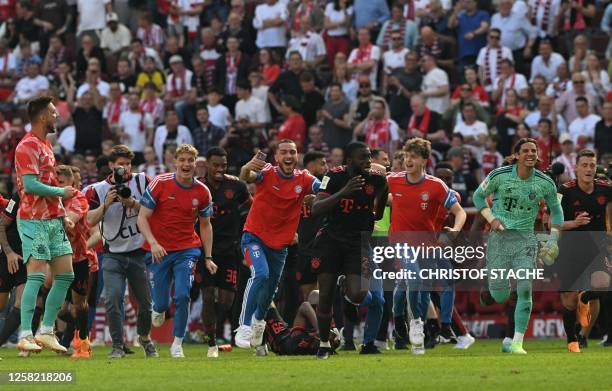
(307, 230)
(585, 243)
(226, 219)
(354, 213)
(10, 212)
(285, 340)
(575, 201)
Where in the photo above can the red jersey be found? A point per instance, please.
(175, 210)
(490, 161)
(3, 202)
(277, 204)
(7, 9)
(79, 234)
(443, 213)
(547, 147)
(416, 205)
(294, 128)
(35, 156)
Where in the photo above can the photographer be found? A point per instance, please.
(121, 193)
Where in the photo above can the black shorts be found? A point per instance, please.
(576, 276)
(9, 281)
(304, 274)
(339, 257)
(226, 276)
(80, 285)
(299, 342)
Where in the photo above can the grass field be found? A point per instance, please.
(547, 367)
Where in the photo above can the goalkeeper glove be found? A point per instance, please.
(549, 250)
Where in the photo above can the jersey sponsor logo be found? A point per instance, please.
(229, 194)
(297, 189)
(346, 204)
(368, 189)
(10, 206)
(324, 183)
(601, 200)
(485, 184)
(315, 263)
(510, 203)
(398, 194)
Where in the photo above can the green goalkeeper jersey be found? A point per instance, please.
(516, 201)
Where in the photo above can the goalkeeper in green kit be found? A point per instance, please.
(517, 190)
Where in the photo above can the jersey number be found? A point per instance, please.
(231, 276)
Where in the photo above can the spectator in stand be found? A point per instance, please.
(509, 79)
(364, 58)
(150, 74)
(219, 114)
(427, 124)
(294, 127)
(582, 128)
(370, 15)
(509, 116)
(334, 114)
(548, 143)
(474, 132)
(270, 20)
(92, 16)
(115, 38)
(151, 167)
(139, 53)
(359, 109)
(433, 44)
(135, 128)
(537, 91)
(403, 83)
(472, 25)
(545, 17)
(288, 83)
(336, 158)
(566, 104)
(546, 63)
(577, 62)
(206, 135)
(517, 34)
(561, 83)
(26, 57)
(575, 19)
(453, 115)
(337, 23)
(151, 34)
(171, 48)
(315, 141)
(490, 58)
(491, 158)
(209, 53)
(309, 44)
(56, 54)
(250, 112)
(150, 103)
(178, 85)
(567, 158)
(169, 136)
(393, 59)
(312, 100)
(309, 9)
(124, 76)
(596, 77)
(546, 109)
(88, 121)
(116, 105)
(30, 86)
(268, 66)
(435, 88)
(52, 17)
(26, 28)
(231, 68)
(260, 91)
(350, 87)
(93, 77)
(89, 173)
(378, 129)
(476, 90)
(603, 130)
(88, 51)
(406, 28)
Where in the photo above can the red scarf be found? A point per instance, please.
(363, 54)
(433, 50)
(410, 10)
(423, 126)
(231, 63)
(579, 22)
(148, 105)
(488, 77)
(545, 17)
(115, 111)
(6, 61)
(391, 27)
(300, 12)
(178, 91)
(378, 134)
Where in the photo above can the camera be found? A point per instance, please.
(120, 184)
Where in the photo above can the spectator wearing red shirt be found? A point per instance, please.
(294, 127)
(548, 144)
(476, 91)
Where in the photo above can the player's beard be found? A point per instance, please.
(287, 169)
(51, 128)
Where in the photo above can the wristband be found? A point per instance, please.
(487, 214)
(208, 258)
(554, 234)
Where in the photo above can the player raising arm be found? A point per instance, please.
(517, 190)
(168, 211)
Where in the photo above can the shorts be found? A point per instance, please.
(43, 239)
(576, 276)
(9, 281)
(299, 342)
(339, 257)
(510, 250)
(304, 274)
(80, 284)
(226, 276)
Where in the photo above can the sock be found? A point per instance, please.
(36, 318)
(177, 341)
(591, 295)
(518, 338)
(324, 321)
(56, 298)
(459, 322)
(11, 324)
(68, 334)
(523, 306)
(401, 328)
(607, 307)
(28, 301)
(569, 324)
(81, 320)
(510, 314)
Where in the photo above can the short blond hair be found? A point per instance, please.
(75, 170)
(186, 148)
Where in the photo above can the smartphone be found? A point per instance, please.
(261, 156)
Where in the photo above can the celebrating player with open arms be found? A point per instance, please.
(168, 211)
(517, 190)
(40, 222)
(351, 197)
(269, 229)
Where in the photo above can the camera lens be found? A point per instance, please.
(124, 192)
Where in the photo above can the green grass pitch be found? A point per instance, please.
(548, 366)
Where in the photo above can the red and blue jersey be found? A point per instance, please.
(443, 213)
(416, 206)
(175, 209)
(277, 204)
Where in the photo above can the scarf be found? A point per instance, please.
(423, 125)
(410, 10)
(498, 59)
(363, 54)
(5, 60)
(231, 67)
(545, 18)
(300, 12)
(433, 50)
(56, 59)
(574, 19)
(114, 111)
(391, 27)
(178, 91)
(378, 134)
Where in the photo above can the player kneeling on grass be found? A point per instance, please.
(301, 339)
(170, 206)
(40, 222)
(517, 190)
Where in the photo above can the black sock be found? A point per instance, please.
(590, 295)
(569, 324)
(401, 328)
(68, 334)
(324, 321)
(11, 324)
(81, 321)
(38, 312)
(510, 324)
(212, 338)
(607, 307)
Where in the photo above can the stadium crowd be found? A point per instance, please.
(138, 80)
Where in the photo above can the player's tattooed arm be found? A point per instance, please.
(325, 203)
(249, 171)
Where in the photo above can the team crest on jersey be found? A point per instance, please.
(424, 196)
(229, 194)
(368, 189)
(195, 202)
(577, 203)
(532, 196)
(601, 200)
(315, 263)
(254, 247)
(297, 189)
